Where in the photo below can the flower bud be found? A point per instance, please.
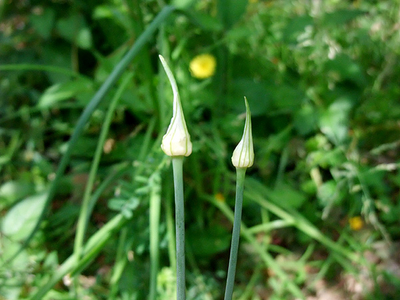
(243, 155)
(176, 142)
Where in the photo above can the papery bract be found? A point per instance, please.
(243, 155)
(176, 142)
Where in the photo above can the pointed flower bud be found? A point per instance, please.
(243, 155)
(176, 142)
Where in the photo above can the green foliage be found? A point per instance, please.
(321, 78)
(21, 219)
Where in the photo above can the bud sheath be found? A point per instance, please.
(176, 142)
(243, 155)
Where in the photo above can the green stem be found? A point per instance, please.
(155, 204)
(265, 256)
(120, 262)
(164, 50)
(94, 102)
(170, 229)
(230, 281)
(44, 68)
(177, 163)
(85, 211)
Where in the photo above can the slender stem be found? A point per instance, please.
(264, 255)
(155, 206)
(169, 215)
(86, 211)
(177, 163)
(120, 262)
(164, 50)
(45, 68)
(230, 281)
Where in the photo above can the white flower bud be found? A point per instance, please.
(243, 155)
(176, 142)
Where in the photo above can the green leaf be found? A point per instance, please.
(127, 213)
(21, 219)
(287, 97)
(208, 242)
(334, 121)
(326, 158)
(57, 55)
(74, 30)
(120, 204)
(329, 193)
(306, 119)
(12, 191)
(11, 286)
(296, 27)
(276, 142)
(43, 23)
(85, 147)
(106, 64)
(70, 26)
(287, 196)
(84, 38)
(182, 4)
(342, 67)
(341, 16)
(206, 21)
(105, 12)
(230, 11)
(255, 92)
(116, 204)
(80, 88)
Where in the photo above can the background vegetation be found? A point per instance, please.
(321, 211)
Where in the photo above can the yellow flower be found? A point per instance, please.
(203, 66)
(356, 223)
(219, 197)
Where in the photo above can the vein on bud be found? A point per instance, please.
(243, 155)
(176, 142)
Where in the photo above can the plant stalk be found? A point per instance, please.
(177, 163)
(230, 281)
(86, 209)
(155, 207)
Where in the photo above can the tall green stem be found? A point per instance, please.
(169, 215)
(240, 175)
(86, 211)
(177, 163)
(120, 262)
(155, 206)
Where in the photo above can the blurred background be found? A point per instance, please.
(321, 211)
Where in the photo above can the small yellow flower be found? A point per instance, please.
(219, 197)
(356, 223)
(203, 66)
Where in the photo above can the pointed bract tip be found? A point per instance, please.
(243, 155)
(176, 142)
